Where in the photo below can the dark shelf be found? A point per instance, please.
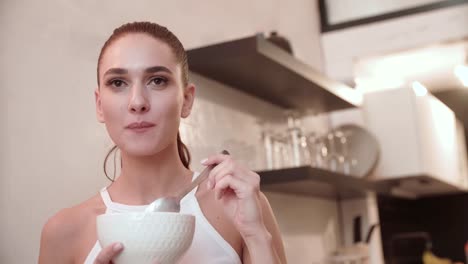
(258, 67)
(414, 187)
(315, 182)
(310, 181)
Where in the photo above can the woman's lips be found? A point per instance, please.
(140, 126)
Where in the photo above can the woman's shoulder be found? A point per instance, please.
(62, 232)
(67, 223)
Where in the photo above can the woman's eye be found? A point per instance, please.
(116, 83)
(158, 81)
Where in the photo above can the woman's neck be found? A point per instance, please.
(144, 179)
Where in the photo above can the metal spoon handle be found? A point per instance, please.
(203, 175)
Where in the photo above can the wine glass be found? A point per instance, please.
(332, 155)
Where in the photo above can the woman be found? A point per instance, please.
(143, 92)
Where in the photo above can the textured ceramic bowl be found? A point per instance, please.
(147, 238)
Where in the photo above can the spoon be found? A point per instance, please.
(172, 203)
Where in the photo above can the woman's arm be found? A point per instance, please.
(238, 188)
(267, 247)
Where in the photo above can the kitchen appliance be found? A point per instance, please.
(358, 253)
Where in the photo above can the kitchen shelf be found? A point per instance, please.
(310, 181)
(260, 68)
(414, 187)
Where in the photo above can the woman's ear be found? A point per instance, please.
(189, 96)
(97, 97)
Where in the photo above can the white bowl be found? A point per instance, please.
(147, 237)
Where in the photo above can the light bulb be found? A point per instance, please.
(419, 89)
(461, 71)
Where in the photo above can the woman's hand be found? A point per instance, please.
(108, 253)
(239, 190)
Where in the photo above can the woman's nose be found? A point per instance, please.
(139, 102)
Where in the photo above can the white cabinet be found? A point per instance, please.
(421, 141)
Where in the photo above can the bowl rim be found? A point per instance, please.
(151, 214)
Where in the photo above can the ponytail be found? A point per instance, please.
(184, 153)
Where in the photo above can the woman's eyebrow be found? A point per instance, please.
(157, 69)
(116, 71)
(147, 70)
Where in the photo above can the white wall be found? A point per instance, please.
(312, 227)
(52, 147)
(340, 11)
(342, 48)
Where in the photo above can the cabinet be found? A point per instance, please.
(420, 139)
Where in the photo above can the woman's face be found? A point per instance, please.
(141, 97)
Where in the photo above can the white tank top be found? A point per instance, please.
(208, 246)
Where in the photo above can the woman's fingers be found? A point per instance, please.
(108, 253)
(223, 168)
(239, 179)
(226, 165)
(217, 161)
(229, 181)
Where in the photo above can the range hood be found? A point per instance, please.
(423, 151)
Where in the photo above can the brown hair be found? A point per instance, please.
(163, 34)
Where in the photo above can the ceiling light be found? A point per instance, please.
(461, 71)
(419, 89)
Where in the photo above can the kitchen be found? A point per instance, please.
(329, 76)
